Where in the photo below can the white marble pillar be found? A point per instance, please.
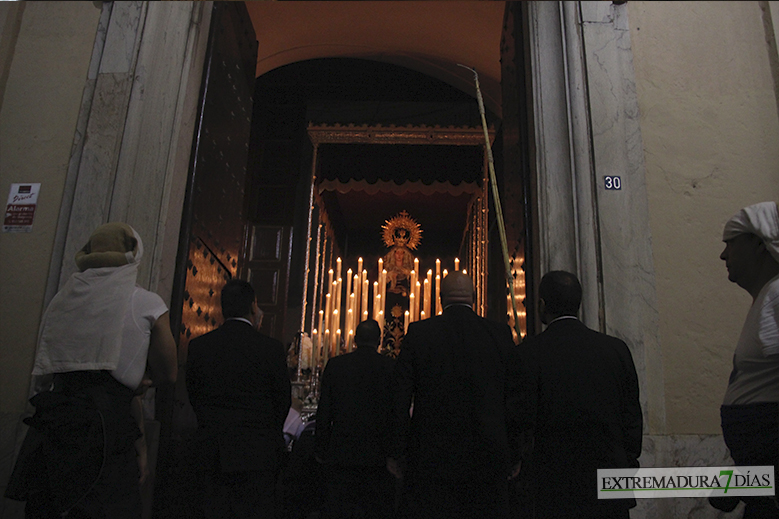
(586, 127)
(131, 150)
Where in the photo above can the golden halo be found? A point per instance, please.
(402, 221)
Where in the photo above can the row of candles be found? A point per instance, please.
(328, 336)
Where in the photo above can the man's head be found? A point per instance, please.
(239, 300)
(751, 251)
(456, 288)
(367, 334)
(559, 293)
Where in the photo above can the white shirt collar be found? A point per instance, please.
(562, 317)
(239, 319)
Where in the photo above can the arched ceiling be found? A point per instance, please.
(431, 37)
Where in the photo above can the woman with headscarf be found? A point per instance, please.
(85, 454)
(750, 408)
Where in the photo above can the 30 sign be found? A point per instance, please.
(612, 183)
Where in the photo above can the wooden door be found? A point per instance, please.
(212, 234)
(267, 269)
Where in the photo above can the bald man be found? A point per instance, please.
(455, 450)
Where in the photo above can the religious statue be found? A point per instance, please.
(402, 234)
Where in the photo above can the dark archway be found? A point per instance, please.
(358, 92)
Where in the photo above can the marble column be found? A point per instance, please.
(131, 150)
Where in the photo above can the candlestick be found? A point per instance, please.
(336, 323)
(328, 312)
(348, 282)
(314, 349)
(438, 295)
(326, 348)
(426, 304)
(383, 288)
(376, 300)
(364, 306)
(356, 290)
(338, 297)
(417, 298)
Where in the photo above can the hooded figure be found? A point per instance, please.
(85, 451)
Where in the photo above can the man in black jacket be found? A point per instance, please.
(457, 449)
(239, 387)
(584, 409)
(352, 429)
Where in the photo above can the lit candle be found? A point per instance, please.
(356, 293)
(329, 278)
(326, 348)
(348, 282)
(336, 322)
(438, 268)
(352, 313)
(314, 348)
(446, 272)
(412, 306)
(359, 265)
(338, 300)
(465, 271)
(306, 352)
(381, 265)
(417, 289)
(381, 321)
(405, 323)
(383, 288)
(350, 341)
(416, 264)
(376, 300)
(364, 295)
(412, 281)
(438, 295)
(456, 263)
(426, 310)
(337, 343)
(338, 268)
(328, 311)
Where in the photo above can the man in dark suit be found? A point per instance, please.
(352, 429)
(457, 449)
(583, 408)
(239, 388)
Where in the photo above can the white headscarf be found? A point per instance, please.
(82, 326)
(761, 220)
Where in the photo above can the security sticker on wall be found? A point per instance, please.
(20, 210)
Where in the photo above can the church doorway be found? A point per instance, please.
(340, 148)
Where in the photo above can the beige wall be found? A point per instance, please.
(711, 141)
(41, 102)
